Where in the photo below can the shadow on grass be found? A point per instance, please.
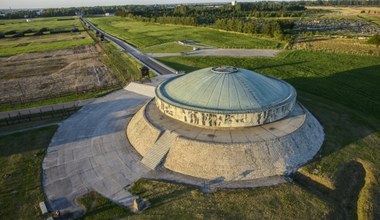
(350, 179)
(21, 142)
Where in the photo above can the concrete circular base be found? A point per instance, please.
(272, 149)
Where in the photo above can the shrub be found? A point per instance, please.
(10, 32)
(375, 39)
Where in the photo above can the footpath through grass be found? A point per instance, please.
(21, 157)
(142, 34)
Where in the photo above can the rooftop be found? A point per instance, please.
(225, 90)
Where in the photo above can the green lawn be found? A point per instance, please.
(21, 157)
(342, 92)
(142, 34)
(170, 47)
(12, 46)
(57, 23)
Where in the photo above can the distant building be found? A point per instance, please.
(233, 2)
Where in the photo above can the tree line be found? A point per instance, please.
(272, 28)
(205, 13)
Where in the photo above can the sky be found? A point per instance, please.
(14, 4)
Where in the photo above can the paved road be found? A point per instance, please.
(146, 60)
(222, 52)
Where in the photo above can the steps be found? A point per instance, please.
(142, 89)
(159, 150)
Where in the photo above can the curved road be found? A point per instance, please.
(146, 60)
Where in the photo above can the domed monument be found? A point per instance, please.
(225, 122)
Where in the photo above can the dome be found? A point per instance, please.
(226, 90)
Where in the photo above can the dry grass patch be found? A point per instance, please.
(38, 75)
(339, 45)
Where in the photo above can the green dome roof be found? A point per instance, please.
(225, 90)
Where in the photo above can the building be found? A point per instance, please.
(233, 2)
(225, 122)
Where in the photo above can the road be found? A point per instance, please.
(154, 65)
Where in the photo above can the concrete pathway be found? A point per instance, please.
(90, 152)
(222, 52)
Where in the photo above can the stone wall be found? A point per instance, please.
(232, 161)
(215, 120)
(141, 134)
(248, 160)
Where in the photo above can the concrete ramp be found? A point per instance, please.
(159, 150)
(142, 89)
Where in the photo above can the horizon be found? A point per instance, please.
(43, 4)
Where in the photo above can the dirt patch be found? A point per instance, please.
(36, 75)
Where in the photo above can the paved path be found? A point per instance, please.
(46, 108)
(222, 52)
(154, 65)
(89, 152)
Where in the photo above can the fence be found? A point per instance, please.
(23, 116)
(78, 91)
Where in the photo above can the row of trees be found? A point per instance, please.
(206, 11)
(272, 28)
(343, 3)
(167, 20)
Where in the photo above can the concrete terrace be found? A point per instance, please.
(90, 152)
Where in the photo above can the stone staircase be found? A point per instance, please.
(159, 150)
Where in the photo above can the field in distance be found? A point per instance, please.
(31, 26)
(145, 35)
(49, 65)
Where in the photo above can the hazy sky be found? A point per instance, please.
(5, 4)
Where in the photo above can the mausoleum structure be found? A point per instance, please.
(225, 97)
(225, 122)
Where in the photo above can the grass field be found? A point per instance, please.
(342, 92)
(170, 47)
(52, 23)
(338, 45)
(142, 34)
(13, 46)
(21, 156)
